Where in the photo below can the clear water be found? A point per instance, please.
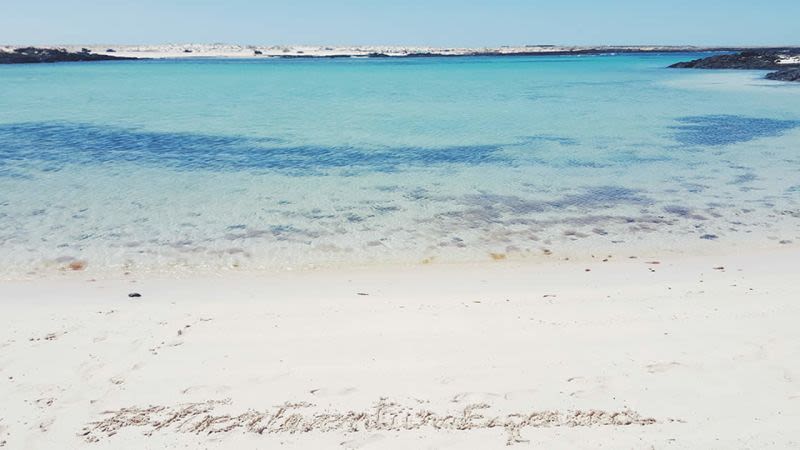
(205, 165)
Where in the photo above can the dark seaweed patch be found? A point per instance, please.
(592, 197)
(602, 197)
(548, 138)
(744, 178)
(715, 130)
(628, 158)
(684, 212)
(55, 145)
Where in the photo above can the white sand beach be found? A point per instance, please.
(189, 50)
(790, 60)
(681, 352)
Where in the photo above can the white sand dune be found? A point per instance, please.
(699, 352)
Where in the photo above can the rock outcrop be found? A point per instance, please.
(785, 75)
(756, 59)
(50, 55)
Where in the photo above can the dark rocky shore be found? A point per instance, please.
(755, 59)
(51, 55)
(785, 75)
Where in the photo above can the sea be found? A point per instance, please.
(180, 167)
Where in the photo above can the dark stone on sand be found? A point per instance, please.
(709, 237)
(50, 55)
(187, 51)
(754, 59)
(134, 295)
(258, 52)
(110, 50)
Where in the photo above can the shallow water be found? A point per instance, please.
(185, 166)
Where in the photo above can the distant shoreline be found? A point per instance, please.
(47, 54)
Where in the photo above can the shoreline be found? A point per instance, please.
(224, 51)
(554, 265)
(88, 271)
(690, 353)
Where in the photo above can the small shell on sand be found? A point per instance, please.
(77, 265)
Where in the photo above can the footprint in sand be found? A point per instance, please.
(206, 390)
(757, 353)
(89, 367)
(326, 392)
(175, 343)
(662, 367)
(586, 386)
(45, 424)
(475, 397)
(524, 394)
(363, 442)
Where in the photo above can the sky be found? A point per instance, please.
(409, 22)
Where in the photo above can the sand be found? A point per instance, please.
(174, 51)
(685, 352)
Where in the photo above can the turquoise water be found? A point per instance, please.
(203, 165)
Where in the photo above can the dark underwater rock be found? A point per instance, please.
(50, 55)
(785, 75)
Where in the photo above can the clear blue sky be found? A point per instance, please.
(411, 22)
